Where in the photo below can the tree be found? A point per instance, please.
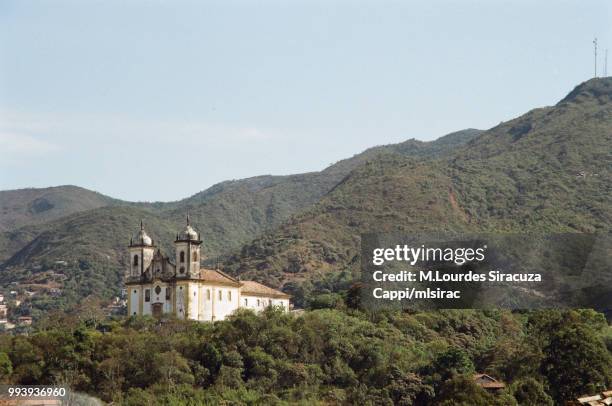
(229, 377)
(452, 362)
(408, 389)
(353, 296)
(462, 391)
(326, 301)
(172, 369)
(529, 392)
(576, 361)
(6, 367)
(90, 311)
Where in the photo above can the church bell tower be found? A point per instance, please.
(141, 252)
(187, 246)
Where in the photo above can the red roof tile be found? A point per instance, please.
(255, 288)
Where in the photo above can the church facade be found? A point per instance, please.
(157, 284)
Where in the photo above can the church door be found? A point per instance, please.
(158, 309)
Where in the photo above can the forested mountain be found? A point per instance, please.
(228, 213)
(91, 240)
(24, 207)
(548, 170)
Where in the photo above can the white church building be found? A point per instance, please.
(156, 285)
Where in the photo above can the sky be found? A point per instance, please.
(158, 100)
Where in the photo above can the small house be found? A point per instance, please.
(488, 383)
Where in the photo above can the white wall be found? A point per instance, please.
(134, 293)
(181, 305)
(228, 303)
(282, 302)
(194, 300)
(259, 303)
(210, 307)
(147, 307)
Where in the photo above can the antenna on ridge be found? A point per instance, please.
(605, 69)
(595, 52)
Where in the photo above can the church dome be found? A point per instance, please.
(141, 237)
(188, 233)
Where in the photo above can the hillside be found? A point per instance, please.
(548, 170)
(24, 207)
(59, 252)
(439, 148)
(228, 214)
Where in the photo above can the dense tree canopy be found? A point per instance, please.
(325, 356)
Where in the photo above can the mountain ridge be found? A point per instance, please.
(228, 214)
(46, 204)
(545, 171)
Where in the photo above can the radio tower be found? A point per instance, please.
(595, 51)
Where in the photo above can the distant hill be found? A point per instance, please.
(228, 215)
(24, 207)
(548, 170)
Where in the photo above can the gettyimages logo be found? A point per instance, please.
(413, 255)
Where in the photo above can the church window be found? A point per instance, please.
(182, 256)
(195, 257)
(147, 295)
(157, 289)
(220, 294)
(258, 303)
(135, 260)
(246, 301)
(207, 294)
(229, 295)
(134, 290)
(167, 293)
(182, 269)
(194, 294)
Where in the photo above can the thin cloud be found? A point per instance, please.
(14, 146)
(69, 129)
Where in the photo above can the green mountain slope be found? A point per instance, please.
(241, 210)
(413, 148)
(548, 170)
(227, 214)
(24, 207)
(83, 253)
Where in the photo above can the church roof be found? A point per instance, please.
(215, 276)
(257, 289)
